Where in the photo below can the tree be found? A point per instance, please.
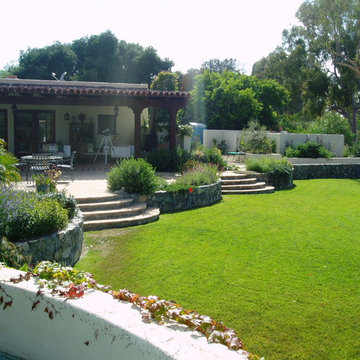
(331, 31)
(219, 66)
(96, 58)
(229, 100)
(41, 63)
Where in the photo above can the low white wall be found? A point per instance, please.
(42, 327)
(335, 143)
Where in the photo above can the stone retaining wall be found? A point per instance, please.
(169, 202)
(279, 184)
(326, 171)
(63, 247)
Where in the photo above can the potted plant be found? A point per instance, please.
(42, 183)
(47, 182)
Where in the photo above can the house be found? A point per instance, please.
(36, 113)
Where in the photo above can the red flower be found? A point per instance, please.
(191, 190)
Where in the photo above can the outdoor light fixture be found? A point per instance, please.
(14, 109)
(67, 117)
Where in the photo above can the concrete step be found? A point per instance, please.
(94, 199)
(131, 210)
(148, 215)
(256, 185)
(234, 176)
(239, 181)
(105, 205)
(263, 190)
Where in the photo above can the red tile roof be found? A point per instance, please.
(77, 88)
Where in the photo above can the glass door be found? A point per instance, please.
(33, 129)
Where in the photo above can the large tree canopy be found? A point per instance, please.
(230, 100)
(319, 60)
(96, 58)
(331, 31)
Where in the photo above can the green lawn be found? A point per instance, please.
(282, 269)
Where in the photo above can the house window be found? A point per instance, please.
(106, 122)
(3, 125)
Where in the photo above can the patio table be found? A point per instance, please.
(28, 160)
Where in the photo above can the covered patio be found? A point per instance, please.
(34, 113)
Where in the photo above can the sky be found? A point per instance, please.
(188, 32)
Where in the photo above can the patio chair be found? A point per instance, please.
(64, 167)
(39, 163)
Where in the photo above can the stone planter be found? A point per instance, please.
(64, 246)
(169, 202)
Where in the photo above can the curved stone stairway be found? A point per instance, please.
(243, 183)
(114, 211)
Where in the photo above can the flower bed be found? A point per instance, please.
(191, 198)
(64, 246)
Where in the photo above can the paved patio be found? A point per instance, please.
(88, 182)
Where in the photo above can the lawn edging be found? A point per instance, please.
(63, 246)
(195, 197)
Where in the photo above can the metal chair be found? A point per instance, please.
(68, 167)
(39, 163)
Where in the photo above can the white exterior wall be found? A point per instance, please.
(231, 137)
(93, 327)
(335, 143)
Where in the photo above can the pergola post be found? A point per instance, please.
(172, 127)
(137, 113)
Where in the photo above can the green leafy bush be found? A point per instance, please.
(136, 176)
(168, 160)
(332, 123)
(279, 171)
(10, 255)
(352, 151)
(8, 171)
(67, 202)
(209, 155)
(309, 150)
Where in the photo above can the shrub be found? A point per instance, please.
(254, 139)
(352, 151)
(309, 150)
(136, 176)
(279, 171)
(10, 255)
(204, 174)
(209, 155)
(66, 201)
(160, 159)
(42, 218)
(332, 123)
(25, 215)
(168, 160)
(8, 170)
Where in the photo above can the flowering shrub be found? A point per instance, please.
(24, 215)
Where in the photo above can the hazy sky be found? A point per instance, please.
(188, 32)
